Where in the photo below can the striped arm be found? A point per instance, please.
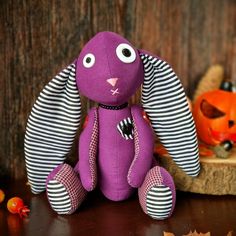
(51, 127)
(165, 102)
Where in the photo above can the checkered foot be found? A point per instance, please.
(64, 190)
(157, 194)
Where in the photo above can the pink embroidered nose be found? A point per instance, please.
(112, 81)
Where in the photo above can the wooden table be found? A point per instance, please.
(99, 216)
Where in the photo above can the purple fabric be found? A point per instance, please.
(144, 145)
(115, 155)
(106, 155)
(84, 167)
(92, 82)
(121, 163)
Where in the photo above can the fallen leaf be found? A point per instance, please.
(195, 233)
(170, 234)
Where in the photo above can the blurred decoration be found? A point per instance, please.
(15, 205)
(210, 81)
(214, 113)
(2, 196)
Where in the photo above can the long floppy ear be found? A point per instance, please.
(164, 101)
(51, 127)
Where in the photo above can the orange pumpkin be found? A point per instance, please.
(215, 117)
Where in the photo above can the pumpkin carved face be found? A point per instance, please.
(215, 117)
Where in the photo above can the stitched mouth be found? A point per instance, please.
(115, 92)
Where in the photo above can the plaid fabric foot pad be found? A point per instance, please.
(64, 190)
(157, 194)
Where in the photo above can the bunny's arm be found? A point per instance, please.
(144, 144)
(88, 144)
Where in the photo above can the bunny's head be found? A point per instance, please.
(108, 70)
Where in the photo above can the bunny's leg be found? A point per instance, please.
(157, 194)
(67, 187)
(64, 189)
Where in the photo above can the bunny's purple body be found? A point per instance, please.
(119, 165)
(112, 80)
(115, 155)
(116, 146)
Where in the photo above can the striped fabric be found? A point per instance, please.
(157, 194)
(165, 103)
(159, 202)
(65, 191)
(58, 197)
(51, 127)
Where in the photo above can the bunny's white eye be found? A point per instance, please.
(125, 53)
(89, 60)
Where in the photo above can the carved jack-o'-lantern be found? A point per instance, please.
(215, 116)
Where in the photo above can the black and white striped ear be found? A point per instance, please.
(51, 127)
(164, 101)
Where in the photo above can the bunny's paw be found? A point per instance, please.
(157, 194)
(64, 190)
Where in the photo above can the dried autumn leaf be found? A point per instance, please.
(195, 233)
(170, 234)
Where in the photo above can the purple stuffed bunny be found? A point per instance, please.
(116, 145)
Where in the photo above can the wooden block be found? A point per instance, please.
(217, 176)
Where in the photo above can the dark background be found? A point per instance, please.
(39, 38)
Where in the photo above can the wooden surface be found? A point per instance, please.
(101, 217)
(231, 160)
(39, 38)
(217, 176)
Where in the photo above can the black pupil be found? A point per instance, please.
(88, 59)
(126, 52)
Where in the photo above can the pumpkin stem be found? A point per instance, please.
(227, 86)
